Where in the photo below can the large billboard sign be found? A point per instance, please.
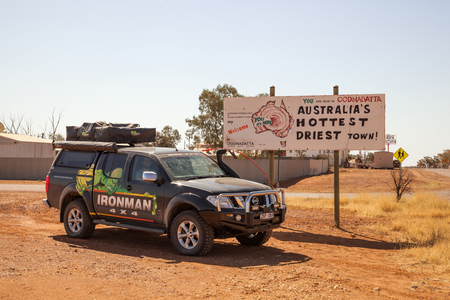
(353, 122)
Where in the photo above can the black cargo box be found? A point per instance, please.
(111, 132)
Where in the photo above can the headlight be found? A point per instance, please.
(273, 199)
(224, 202)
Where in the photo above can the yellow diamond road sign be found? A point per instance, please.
(400, 155)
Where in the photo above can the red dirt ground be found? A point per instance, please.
(307, 258)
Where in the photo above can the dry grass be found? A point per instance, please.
(420, 221)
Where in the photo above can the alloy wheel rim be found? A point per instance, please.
(75, 220)
(188, 235)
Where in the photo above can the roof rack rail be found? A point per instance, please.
(86, 146)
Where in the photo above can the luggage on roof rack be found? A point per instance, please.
(110, 132)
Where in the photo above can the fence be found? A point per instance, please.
(24, 168)
(284, 168)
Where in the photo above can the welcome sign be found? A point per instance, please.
(334, 122)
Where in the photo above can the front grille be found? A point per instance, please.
(262, 202)
(259, 200)
(233, 200)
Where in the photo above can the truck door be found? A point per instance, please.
(151, 195)
(108, 182)
(122, 196)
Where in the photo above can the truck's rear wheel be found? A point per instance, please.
(255, 239)
(190, 234)
(77, 221)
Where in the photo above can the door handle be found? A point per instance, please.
(129, 188)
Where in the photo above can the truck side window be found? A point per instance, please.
(76, 159)
(142, 164)
(114, 165)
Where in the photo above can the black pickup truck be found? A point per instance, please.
(184, 194)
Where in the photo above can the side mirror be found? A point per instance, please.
(149, 176)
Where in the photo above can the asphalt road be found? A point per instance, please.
(22, 187)
(445, 172)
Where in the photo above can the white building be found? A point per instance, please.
(24, 157)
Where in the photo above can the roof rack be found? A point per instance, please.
(86, 146)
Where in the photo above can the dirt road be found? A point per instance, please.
(305, 259)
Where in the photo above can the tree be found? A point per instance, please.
(18, 124)
(445, 158)
(168, 137)
(209, 123)
(441, 159)
(54, 121)
(191, 136)
(401, 182)
(57, 137)
(445, 163)
(421, 163)
(322, 156)
(430, 162)
(370, 157)
(301, 153)
(436, 161)
(13, 124)
(445, 154)
(28, 127)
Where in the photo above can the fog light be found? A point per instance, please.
(254, 208)
(238, 218)
(276, 205)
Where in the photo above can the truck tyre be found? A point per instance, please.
(190, 234)
(256, 239)
(77, 221)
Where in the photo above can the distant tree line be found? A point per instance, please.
(437, 161)
(18, 124)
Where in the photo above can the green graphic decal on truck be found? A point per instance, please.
(122, 198)
(110, 184)
(84, 179)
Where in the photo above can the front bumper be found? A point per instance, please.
(227, 222)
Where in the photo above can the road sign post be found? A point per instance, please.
(336, 178)
(400, 155)
(391, 139)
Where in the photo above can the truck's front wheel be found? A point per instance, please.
(190, 234)
(256, 239)
(77, 221)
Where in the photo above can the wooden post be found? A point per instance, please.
(272, 152)
(336, 177)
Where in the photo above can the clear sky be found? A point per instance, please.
(147, 62)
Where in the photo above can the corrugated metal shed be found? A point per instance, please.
(24, 157)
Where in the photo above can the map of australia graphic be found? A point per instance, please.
(272, 118)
